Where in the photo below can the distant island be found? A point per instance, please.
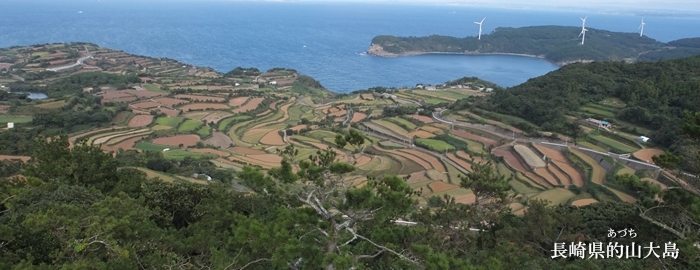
(558, 44)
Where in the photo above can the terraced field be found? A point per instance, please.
(562, 163)
(598, 173)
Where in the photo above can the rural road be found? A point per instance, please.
(77, 63)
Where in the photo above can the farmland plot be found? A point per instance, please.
(186, 140)
(434, 162)
(249, 106)
(598, 173)
(140, 120)
(104, 139)
(486, 141)
(530, 157)
(562, 163)
(204, 106)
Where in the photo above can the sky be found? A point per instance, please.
(692, 6)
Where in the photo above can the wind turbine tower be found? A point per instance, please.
(480, 23)
(641, 28)
(583, 30)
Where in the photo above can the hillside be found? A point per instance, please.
(558, 44)
(648, 95)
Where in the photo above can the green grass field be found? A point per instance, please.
(225, 122)
(399, 120)
(590, 145)
(190, 125)
(169, 121)
(390, 145)
(556, 196)
(613, 143)
(146, 146)
(473, 146)
(15, 119)
(436, 145)
(598, 110)
(152, 88)
(204, 131)
(391, 126)
(181, 154)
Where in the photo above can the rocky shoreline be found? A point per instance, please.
(378, 50)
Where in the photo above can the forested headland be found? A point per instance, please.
(558, 44)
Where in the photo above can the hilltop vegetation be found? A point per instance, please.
(559, 44)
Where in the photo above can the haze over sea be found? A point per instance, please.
(323, 40)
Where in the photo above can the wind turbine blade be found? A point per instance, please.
(482, 20)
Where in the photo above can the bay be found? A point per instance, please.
(323, 40)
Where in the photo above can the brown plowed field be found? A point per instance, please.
(434, 162)
(143, 93)
(416, 177)
(439, 186)
(204, 106)
(576, 177)
(249, 106)
(187, 140)
(421, 134)
(200, 98)
(23, 158)
(584, 202)
(362, 160)
(137, 111)
(140, 120)
(219, 139)
(298, 127)
(333, 110)
(146, 105)
(126, 144)
(216, 117)
(486, 141)
(169, 112)
(211, 151)
(421, 162)
(542, 172)
(563, 163)
(115, 94)
(237, 101)
(273, 105)
(272, 138)
(268, 158)
(511, 159)
(339, 113)
(72, 139)
(357, 117)
(433, 130)
(247, 151)
(559, 174)
(422, 118)
(646, 154)
(460, 162)
(170, 101)
(121, 99)
(465, 199)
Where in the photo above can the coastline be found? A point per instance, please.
(377, 50)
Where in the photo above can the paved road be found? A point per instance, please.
(77, 63)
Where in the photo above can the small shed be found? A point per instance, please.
(10, 125)
(643, 138)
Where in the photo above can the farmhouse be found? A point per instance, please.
(599, 123)
(643, 138)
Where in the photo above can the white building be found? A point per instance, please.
(10, 125)
(643, 138)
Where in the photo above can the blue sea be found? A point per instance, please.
(323, 40)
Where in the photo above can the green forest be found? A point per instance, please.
(557, 44)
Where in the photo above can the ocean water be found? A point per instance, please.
(323, 40)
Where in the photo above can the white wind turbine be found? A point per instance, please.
(641, 28)
(583, 30)
(480, 23)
